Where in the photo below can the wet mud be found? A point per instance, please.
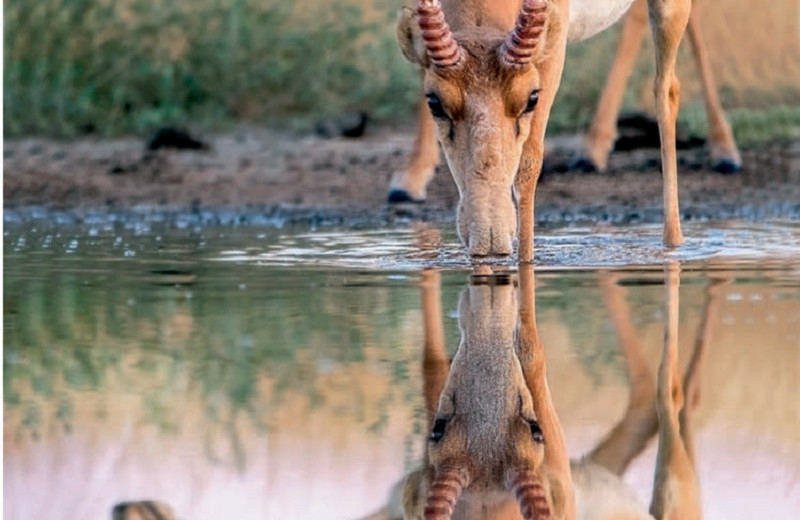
(252, 174)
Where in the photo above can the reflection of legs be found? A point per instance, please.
(435, 365)
(408, 498)
(675, 493)
(725, 156)
(600, 139)
(410, 184)
(672, 420)
(630, 436)
(691, 379)
(530, 351)
(668, 19)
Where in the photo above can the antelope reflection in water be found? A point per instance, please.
(495, 446)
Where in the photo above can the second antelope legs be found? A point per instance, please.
(600, 138)
(725, 156)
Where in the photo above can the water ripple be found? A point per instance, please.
(570, 247)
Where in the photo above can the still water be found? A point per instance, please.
(267, 372)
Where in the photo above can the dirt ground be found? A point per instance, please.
(262, 172)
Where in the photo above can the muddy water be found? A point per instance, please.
(276, 373)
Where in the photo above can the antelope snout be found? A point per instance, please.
(488, 229)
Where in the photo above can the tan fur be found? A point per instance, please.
(493, 149)
(501, 358)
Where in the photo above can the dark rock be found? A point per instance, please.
(637, 130)
(354, 125)
(351, 126)
(175, 138)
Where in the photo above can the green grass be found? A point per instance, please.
(751, 127)
(73, 66)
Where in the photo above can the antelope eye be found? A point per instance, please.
(532, 100)
(435, 104)
(536, 432)
(438, 429)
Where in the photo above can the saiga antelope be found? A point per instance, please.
(496, 448)
(490, 83)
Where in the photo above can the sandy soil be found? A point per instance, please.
(261, 172)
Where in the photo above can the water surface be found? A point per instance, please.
(267, 372)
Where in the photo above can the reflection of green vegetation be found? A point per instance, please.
(72, 335)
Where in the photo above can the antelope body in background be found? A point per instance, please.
(496, 447)
(491, 71)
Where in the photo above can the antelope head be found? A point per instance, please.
(482, 87)
(485, 447)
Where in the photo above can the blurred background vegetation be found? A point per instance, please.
(127, 66)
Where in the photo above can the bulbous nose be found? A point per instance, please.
(494, 242)
(488, 230)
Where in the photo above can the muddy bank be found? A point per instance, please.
(257, 175)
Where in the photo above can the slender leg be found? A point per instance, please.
(675, 493)
(668, 19)
(725, 156)
(640, 422)
(600, 139)
(410, 184)
(530, 166)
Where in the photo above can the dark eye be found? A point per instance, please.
(532, 100)
(438, 429)
(536, 432)
(435, 104)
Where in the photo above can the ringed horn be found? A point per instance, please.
(444, 493)
(519, 47)
(442, 48)
(531, 495)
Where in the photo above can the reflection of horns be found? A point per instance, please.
(442, 48)
(444, 493)
(521, 43)
(530, 493)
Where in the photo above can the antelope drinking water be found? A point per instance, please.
(491, 71)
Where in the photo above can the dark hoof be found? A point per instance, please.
(400, 196)
(726, 167)
(583, 165)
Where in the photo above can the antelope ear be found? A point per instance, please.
(409, 37)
